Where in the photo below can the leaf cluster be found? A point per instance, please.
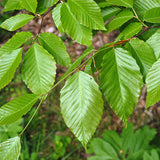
(124, 65)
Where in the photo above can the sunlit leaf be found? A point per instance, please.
(121, 82)
(16, 108)
(81, 105)
(39, 70)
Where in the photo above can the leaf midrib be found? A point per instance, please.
(81, 105)
(37, 64)
(13, 145)
(86, 12)
(10, 115)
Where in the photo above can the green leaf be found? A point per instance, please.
(29, 5)
(98, 58)
(77, 62)
(13, 5)
(124, 3)
(154, 42)
(127, 138)
(142, 7)
(109, 12)
(153, 84)
(10, 131)
(142, 139)
(56, 47)
(121, 82)
(72, 27)
(154, 155)
(10, 149)
(15, 42)
(49, 3)
(152, 15)
(112, 137)
(146, 156)
(16, 22)
(87, 13)
(143, 53)
(8, 65)
(102, 149)
(16, 108)
(129, 31)
(56, 15)
(38, 70)
(119, 20)
(81, 105)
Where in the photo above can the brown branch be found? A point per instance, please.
(145, 29)
(50, 9)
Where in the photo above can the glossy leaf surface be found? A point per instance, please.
(78, 32)
(29, 5)
(10, 149)
(87, 13)
(39, 70)
(143, 53)
(56, 47)
(120, 80)
(124, 3)
(153, 84)
(15, 42)
(16, 108)
(8, 65)
(119, 20)
(81, 105)
(16, 22)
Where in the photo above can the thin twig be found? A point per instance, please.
(43, 15)
(136, 16)
(32, 117)
(146, 29)
(50, 9)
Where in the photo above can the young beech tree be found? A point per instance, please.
(124, 65)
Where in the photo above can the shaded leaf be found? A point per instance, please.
(143, 53)
(81, 105)
(124, 3)
(56, 47)
(154, 42)
(38, 70)
(119, 20)
(87, 13)
(10, 149)
(109, 12)
(142, 139)
(153, 84)
(78, 32)
(16, 22)
(16, 108)
(102, 149)
(129, 31)
(49, 3)
(8, 65)
(113, 138)
(152, 15)
(121, 82)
